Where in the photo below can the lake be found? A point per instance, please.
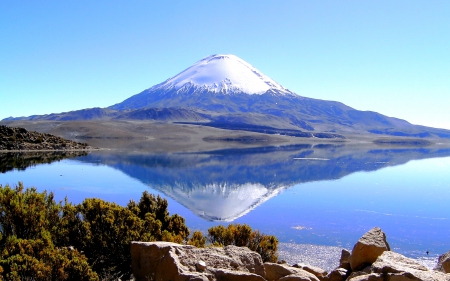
(313, 197)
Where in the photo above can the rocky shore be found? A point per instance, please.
(15, 139)
(370, 260)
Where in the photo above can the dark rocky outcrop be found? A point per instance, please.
(371, 257)
(22, 139)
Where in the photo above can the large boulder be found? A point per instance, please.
(275, 271)
(368, 248)
(396, 267)
(169, 261)
(443, 264)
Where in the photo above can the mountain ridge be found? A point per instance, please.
(223, 89)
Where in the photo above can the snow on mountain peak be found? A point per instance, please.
(224, 73)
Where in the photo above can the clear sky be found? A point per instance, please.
(392, 57)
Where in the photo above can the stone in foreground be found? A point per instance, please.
(443, 264)
(160, 261)
(394, 266)
(368, 248)
(316, 271)
(281, 272)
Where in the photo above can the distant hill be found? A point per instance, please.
(224, 91)
(21, 139)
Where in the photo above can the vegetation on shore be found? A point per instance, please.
(41, 239)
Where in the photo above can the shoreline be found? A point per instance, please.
(327, 257)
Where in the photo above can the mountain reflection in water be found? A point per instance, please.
(224, 185)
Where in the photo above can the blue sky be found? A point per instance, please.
(392, 57)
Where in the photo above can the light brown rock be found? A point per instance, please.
(316, 271)
(169, 261)
(443, 264)
(339, 274)
(397, 267)
(275, 271)
(299, 276)
(368, 248)
(230, 275)
(366, 277)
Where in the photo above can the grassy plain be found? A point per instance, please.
(151, 136)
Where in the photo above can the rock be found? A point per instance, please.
(229, 275)
(170, 261)
(299, 276)
(339, 274)
(396, 267)
(366, 277)
(275, 271)
(316, 271)
(344, 262)
(443, 264)
(368, 248)
(201, 266)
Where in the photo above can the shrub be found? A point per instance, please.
(25, 214)
(243, 236)
(30, 222)
(104, 230)
(197, 240)
(44, 240)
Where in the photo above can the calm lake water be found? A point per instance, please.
(321, 195)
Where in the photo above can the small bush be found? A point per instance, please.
(242, 235)
(197, 240)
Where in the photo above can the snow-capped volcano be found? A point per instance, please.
(223, 73)
(214, 77)
(225, 92)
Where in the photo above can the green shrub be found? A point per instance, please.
(197, 240)
(36, 234)
(242, 235)
(104, 230)
(30, 223)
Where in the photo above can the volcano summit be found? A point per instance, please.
(225, 92)
(224, 74)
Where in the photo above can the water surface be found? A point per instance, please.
(324, 195)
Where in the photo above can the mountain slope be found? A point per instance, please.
(223, 91)
(226, 88)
